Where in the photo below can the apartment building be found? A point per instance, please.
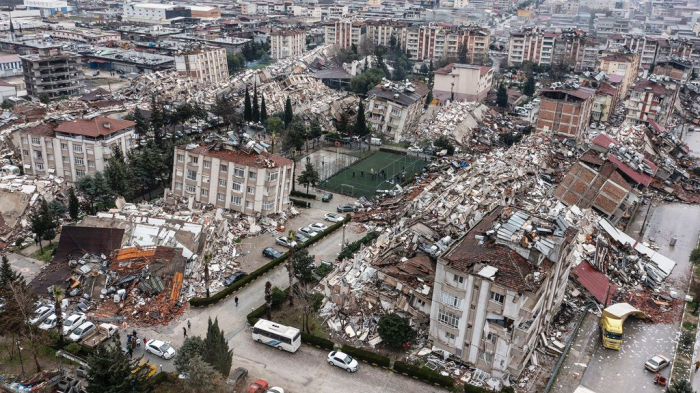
(203, 64)
(436, 41)
(223, 175)
(462, 82)
(498, 288)
(395, 108)
(345, 33)
(287, 43)
(48, 7)
(381, 31)
(52, 72)
(604, 101)
(73, 149)
(622, 62)
(89, 37)
(651, 100)
(10, 65)
(565, 113)
(676, 68)
(156, 13)
(533, 45)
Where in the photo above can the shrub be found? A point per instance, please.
(324, 269)
(354, 246)
(302, 195)
(18, 242)
(256, 314)
(300, 203)
(73, 348)
(424, 375)
(395, 330)
(278, 296)
(507, 389)
(369, 357)
(317, 341)
(474, 389)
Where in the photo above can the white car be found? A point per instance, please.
(308, 232)
(275, 389)
(332, 217)
(160, 348)
(318, 227)
(82, 331)
(415, 149)
(41, 313)
(72, 322)
(283, 241)
(342, 360)
(49, 322)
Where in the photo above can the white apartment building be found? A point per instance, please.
(88, 37)
(287, 43)
(226, 176)
(73, 149)
(10, 65)
(395, 109)
(48, 7)
(462, 82)
(205, 65)
(153, 13)
(498, 288)
(532, 45)
(345, 33)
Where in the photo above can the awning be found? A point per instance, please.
(595, 282)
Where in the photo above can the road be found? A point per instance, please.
(625, 368)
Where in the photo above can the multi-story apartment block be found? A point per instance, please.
(52, 72)
(533, 45)
(74, 149)
(676, 68)
(381, 31)
(622, 62)
(498, 288)
(439, 41)
(345, 33)
(287, 43)
(394, 109)
(651, 100)
(462, 82)
(234, 178)
(10, 65)
(503, 5)
(88, 37)
(605, 100)
(204, 65)
(48, 7)
(565, 113)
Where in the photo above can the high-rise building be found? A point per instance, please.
(205, 64)
(52, 72)
(345, 33)
(287, 43)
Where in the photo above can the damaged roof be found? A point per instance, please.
(99, 126)
(239, 156)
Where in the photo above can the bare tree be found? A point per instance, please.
(303, 295)
(290, 264)
(268, 299)
(58, 295)
(18, 312)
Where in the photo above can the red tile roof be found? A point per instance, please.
(638, 177)
(40, 130)
(239, 156)
(95, 127)
(595, 282)
(604, 141)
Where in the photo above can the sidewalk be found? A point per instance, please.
(576, 361)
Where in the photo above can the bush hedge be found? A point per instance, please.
(393, 151)
(474, 389)
(299, 203)
(317, 341)
(300, 194)
(354, 246)
(367, 356)
(256, 314)
(424, 375)
(224, 293)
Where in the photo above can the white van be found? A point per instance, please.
(375, 141)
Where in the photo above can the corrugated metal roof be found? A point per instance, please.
(595, 282)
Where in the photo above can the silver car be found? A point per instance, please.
(342, 360)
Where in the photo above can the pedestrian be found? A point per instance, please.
(189, 325)
(697, 365)
(144, 342)
(134, 334)
(235, 299)
(184, 331)
(128, 338)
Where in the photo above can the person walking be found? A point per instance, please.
(189, 325)
(144, 342)
(184, 331)
(235, 299)
(697, 365)
(130, 350)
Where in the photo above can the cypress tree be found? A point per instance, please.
(263, 110)
(216, 351)
(256, 108)
(73, 204)
(360, 128)
(247, 110)
(288, 113)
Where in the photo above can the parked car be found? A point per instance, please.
(342, 360)
(49, 323)
(318, 227)
(345, 208)
(41, 313)
(307, 231)
(283, 241)
(332, 217)
(271, 253)
(230, 280)
(327, 197)
(237, 375)
(415, 149)
(259, 386)
(72, 322)
(275, 389)
(160, 348)
(657, 363)
(301, 238)
(82, 331)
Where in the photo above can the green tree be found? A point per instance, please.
(443, 142)
(7, 275)
(116, 174)
(399, 73)
(235, 62)
(42, 222)
(360, 128)
(247, 109)
(395, 330)
(157, 121)
(268, 299)
(111, 371)
(529, 88)
(201, 376)
(342, 124)
(463, 54)
(216, 350)
(44, 98)
(424, 69)
(263, 110)
(308, 177)
(191, 347)
(273, 126)
(302, 263)
(142, 123)
(681, 385)
(291, 236)
(73, 204)
(315, 129)
(364, 82)
(7, 104)
(58, 296)
(695, 256)
(96, 194)
(428, 98)
(256, 108)
(288, 113)
(224, 110)
(294, 135)
(502, 96)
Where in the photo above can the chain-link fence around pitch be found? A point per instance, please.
(389, 169)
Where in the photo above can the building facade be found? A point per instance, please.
(621, 62)
(395, 109)
(565, 113)
(533, 45)
(651, 100)
(48, 7)
(345, 33)
(462, 82)
(205, 65)
(88, 37)
(74, 149)
(436, 41)
(287, 43)
(52, 72)
(10, 65)
(232, 178)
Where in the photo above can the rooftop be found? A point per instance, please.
(240, 156)
(99, 126)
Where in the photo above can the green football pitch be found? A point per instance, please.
(357, 180)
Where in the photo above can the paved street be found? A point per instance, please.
(643, 340)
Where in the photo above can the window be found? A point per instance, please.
(220, 197)
(497, 297)
(224, 168)
(79, 161)
(178, 186)
(491, 338)
(207, 164)
(37, 154)
(205, 193)
(190, 189)
(178, 172)
(472, 307)
(25, 153)
(39, 167)
(66, 159)
(180, 158)
(78, 148)
(251, 175)
(239, 172)
(91, 164)
(24, 140)
(191, 175)
(251, 190)
(89, 151)
(273, 176)
(36, 140)
(458, 279)
(448, 319)
(450, 300)
(267, 205)
(249, 205)
(222, 182)
(488, 357)
(236, 186)
(64, 146)
(49, 157)
(79, 173)
(236, 200)
(450, 337)
(395, 111)
(194, 160)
